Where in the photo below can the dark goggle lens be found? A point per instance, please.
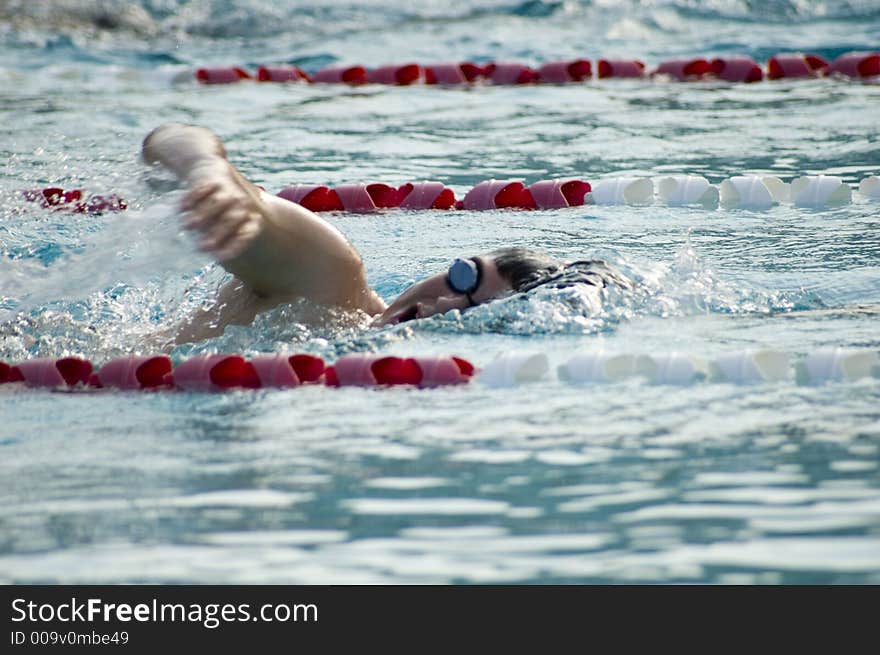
(463, 276)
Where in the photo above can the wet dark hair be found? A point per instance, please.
(523, 267)
(528, 269)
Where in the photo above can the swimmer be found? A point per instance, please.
(279, 251)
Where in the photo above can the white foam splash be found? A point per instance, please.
(132, 249)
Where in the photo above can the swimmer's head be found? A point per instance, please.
(471, 281)
(525, 269)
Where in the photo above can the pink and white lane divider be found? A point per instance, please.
(220, 372)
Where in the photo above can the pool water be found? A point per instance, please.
(546, 482)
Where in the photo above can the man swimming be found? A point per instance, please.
(279, 251)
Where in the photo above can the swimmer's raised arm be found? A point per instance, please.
(277, 248)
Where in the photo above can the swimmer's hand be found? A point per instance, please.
(227, 215)
(280, 249)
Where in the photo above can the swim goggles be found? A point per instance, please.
(464, 277)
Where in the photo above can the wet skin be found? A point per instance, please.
(279, 251)
(433, 295)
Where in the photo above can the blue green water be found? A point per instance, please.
(544, 483)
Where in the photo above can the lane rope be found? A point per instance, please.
(742, 191)
(224, 372)
(735, 69)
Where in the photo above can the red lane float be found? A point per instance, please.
(684, 69)
(135, 372)
(465, 72)
(498, 194)
(73, 200)
(737, 69)
(365, 197)
(341, 74)
(222, 75)
(99, 204)
(856, 64)
(555, 194)
(442, 371)
(53, 197)
(427, 195)
(369, 370)
(345, 197)
(215, 373)
(394, 74)
(219, 372)
(283, 371)
(231, 371)
(52, 373)
(281, 74)
(9, 374)
(795, 65)
(510, 73)
(562, 72)
(370, 197)
(731, 69)
(315, 197)
(513, 194)
(620, 68)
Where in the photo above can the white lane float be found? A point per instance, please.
(598, 367)
(672, 368)
(623, 191)
(818, 191)
(837, 365)
(753, 192)
(512, 369)
(870, 187)
(750, 367)
(679, 190)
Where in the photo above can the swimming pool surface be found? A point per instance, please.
(548, 482)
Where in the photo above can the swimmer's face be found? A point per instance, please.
(433, 295)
